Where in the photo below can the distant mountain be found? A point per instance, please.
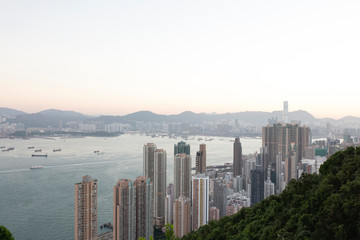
(48, 118)
(60, 113)
(10, 112)
(54, 117)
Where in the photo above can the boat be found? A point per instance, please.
(38, 150)
(5, 150)
(32, 147)
(11, 148)
(96, 151)
(36, 167)
(57, 150)
(2, 147)
(39, 155)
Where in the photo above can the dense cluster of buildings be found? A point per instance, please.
(204, 193)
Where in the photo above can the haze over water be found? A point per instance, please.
(39, 204)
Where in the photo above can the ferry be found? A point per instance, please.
(32, 147)
(36, 167)
(2, 147)
(57, 150)
(96, 151)
(38, 150)
(39, 155)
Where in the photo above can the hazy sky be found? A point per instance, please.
(118, 57)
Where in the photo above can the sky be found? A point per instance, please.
(118, 57)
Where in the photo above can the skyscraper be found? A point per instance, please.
(285, 113)
(269, 187)
(237, 158)
(182, 175)
(182, 216)
(279, 137)
(148, 160)
(257, 185)
(86, 209)
(144, 208)
(200, 201)
(201, 159)
(181, 147)
(169, 202)
(220, 197)
(159, 187)
(124, 223)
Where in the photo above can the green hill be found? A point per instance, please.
(323, 206)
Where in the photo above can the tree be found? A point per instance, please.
(5, 234)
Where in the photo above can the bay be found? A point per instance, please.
(39, 204)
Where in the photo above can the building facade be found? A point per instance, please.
(182, 175)
(201, 160)
(159, 187)
(237, 158)
(86, 209)
(200, 201)
(182, 216)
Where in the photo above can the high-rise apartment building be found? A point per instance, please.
(169, 202)
(182, 175)
(124, 222)
(86, 209)
(279, 137)
(220, 197)
(201, 160)
(148, 160)
(133, 209)
(182, 216)
(159, 187)
(200, 201)
(257, 185)
(237, 158)
(181, 147)
(144, 208)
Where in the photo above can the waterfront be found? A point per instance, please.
(39, 204)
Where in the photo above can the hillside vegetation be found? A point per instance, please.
(323, 206)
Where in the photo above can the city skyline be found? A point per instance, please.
(118, 58)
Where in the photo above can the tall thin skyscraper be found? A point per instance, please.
(200, 201)
(144, 208)
(124, 223)
(182, 216)
(257, 185)
(237, 158)
(86, 209)
(220, 197)
(285, 113)
(181, 147)
(182, 175)
(201, 159)
(169, 202)
(148, 160)
(159, 187)
(269, 187)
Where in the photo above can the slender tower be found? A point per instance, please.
(201, 159)
(148, 161)
(237, 158)
(285, 116)
(144, 208)
(182, 175)
(124, 210)
(182, 216)
(86, 209)
(200, 201)
(159, 187)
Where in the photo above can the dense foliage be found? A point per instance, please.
(5, 234)
(317, 206)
